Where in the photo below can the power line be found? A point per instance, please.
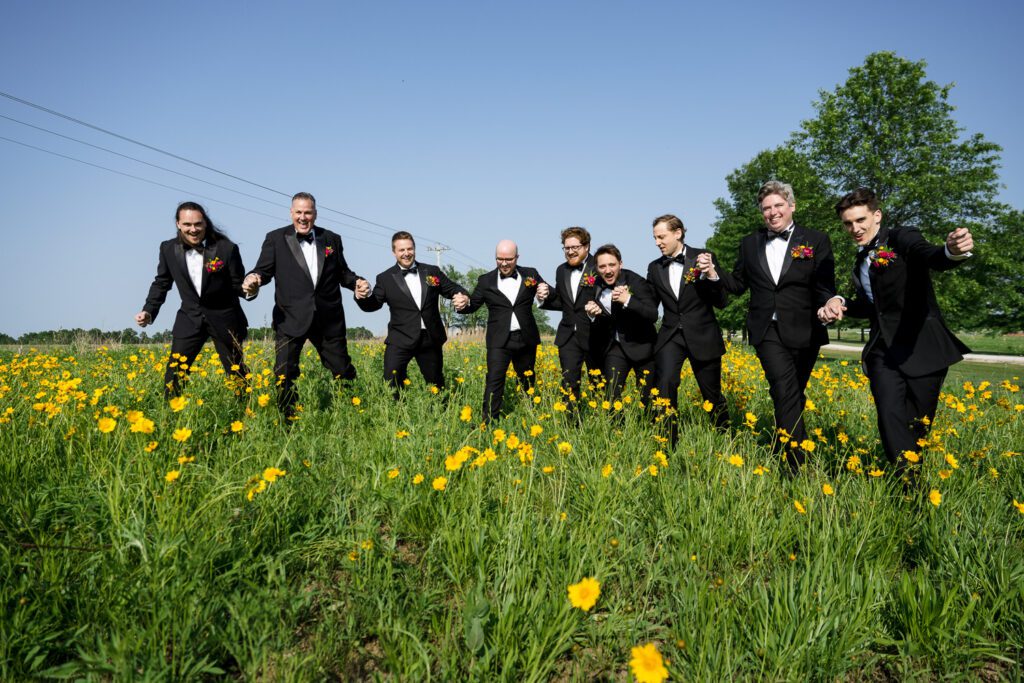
(164, 185)
(186, 160)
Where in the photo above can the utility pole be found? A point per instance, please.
(440, 249)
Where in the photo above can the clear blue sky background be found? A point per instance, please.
(461, 122)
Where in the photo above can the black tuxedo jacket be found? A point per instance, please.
(633, 324)
(904, 314)
(296, 299)
(218, 305)
(500, 309)
(693, 312)
(805, 284)
(406, 313)
(575, 321)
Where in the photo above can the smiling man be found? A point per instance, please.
(310, 267)
(623, 334)
(512, 335)
(790, 272)
(575, 283)
(207, 269)
(415, 331)
(910, 349)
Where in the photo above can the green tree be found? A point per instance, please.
(889, 128)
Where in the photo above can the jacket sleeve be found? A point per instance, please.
(643, 302)
(346, 278)
(237, 272)
(476, 299)
(736, 281)
(824, 272)
(158, 290)
(449, 288)
(911, 242)
(713, 291)
(266, 264)
(554, 300)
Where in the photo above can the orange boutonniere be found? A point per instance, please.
(530, 282)
(882, 257)
(214, 264)
(328, 251)
(692, 275)
(589, 279)
(802, 251)
(432, 280)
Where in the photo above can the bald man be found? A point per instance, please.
(512, 335)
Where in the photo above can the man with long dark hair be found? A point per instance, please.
(207, 269)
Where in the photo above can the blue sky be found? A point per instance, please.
(461, 122)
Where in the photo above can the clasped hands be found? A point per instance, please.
(460, 301)
(832, 311)
(706, 265)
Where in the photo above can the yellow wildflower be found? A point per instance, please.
(584, 594)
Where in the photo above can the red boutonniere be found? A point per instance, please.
(214, 264)
(530, 282)
(328, 251)
(802, 251)
(588, 279)
(692, 275)
(882, 257)
(432, 280)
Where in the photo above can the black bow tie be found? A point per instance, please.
(511, 275)
(680, 258)
(198, 248)
(784, 235)
(406, 271)
(308, 237)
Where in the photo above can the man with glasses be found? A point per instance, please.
(576, 282)
(512, 335)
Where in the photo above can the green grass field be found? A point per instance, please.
(203, 539)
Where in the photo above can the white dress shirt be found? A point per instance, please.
(775, 250)
(509, 286)
(194, 263)
(309, 253)
(575, 275)
(415, 285)
(675, 272)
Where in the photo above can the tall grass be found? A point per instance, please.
(346, 568)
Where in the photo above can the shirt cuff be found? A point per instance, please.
(956, 257)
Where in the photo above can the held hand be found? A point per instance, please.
(621, 294)
(251, 284)
(143, 318)
(362, 288)
(832, 311)
(542, 292)
(959, 241)
(706, 265)
(460, 301)
(593, 309)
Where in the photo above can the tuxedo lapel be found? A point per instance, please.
(321, 249)
(293, 246)
(209, 254)
(689, 261)
(423, 285)
(179, 260)
(761, 244)
(399, 277)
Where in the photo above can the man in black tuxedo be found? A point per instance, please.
(790, 272)
(624, 312)
(575, 284)
(310, 268)
(512, 335)
(411, 290)
(207, 269)
(910, 348)
(690, 329)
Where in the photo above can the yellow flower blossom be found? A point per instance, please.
(417, 479)
(935, 498)
(237, 426)
(178, 403)
(272, 473)
(439, 483)
(607, 470)
(106, 424)
(584, 595)
(172, 476)
(736, 460)
(799, 507)
(466, 414)
(647, 665)
(181, 434)
(828, 490)
(564, 448)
